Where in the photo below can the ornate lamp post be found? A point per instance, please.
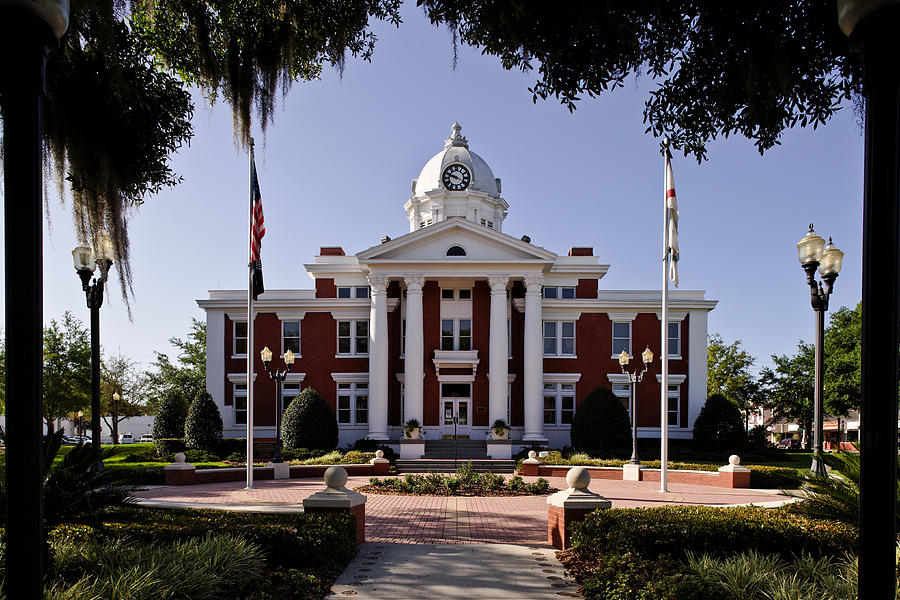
(278, 377)
(634, 378)
(86, 260)
(115, 424)
(815, 254)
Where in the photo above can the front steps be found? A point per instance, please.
(465, 449)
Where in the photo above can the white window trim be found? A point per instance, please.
(612, 336)
(353, 338)
(558, 394)
(299, 322)
(234, 409)
(352, 392)
(456, 321)
(240, 377)
(675, 380)
(559, 338)
(680, 339)
(234, 324)
(354, 290)
(350, 377)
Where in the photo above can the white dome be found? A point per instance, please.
(456, 150)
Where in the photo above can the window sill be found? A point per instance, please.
(239, 356)
(351, 356)
(560, 356)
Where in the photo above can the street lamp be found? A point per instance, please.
(634, 378)
(115, 417)
(86, 259)
(814, 254)
(278, 377)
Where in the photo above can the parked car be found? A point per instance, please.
(147, 437)
(126, 438)
(69, 440)
(788, 443)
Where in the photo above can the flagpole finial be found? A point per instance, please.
(252, 142)
(665, 142)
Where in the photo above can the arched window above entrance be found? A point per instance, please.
(456, 251)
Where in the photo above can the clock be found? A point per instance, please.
(456, 177)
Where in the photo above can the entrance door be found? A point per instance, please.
(456, 402)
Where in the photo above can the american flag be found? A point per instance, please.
(672, 216)
(257, 231)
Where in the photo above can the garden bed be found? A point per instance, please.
(466, 482)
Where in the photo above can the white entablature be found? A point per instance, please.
(456, 182)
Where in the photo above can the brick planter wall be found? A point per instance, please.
(559, 524)
(190, 476)
(358, 512)
(726, 479)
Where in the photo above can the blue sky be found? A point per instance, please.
(335, 169)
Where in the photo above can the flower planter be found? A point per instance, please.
(504, 435)
(412, 434)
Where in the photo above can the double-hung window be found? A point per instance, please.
(239, 397)
(353, 403)
(674, 404)
(559, 403)
(562, 292)
(353, 337)
(240, 338)
(456, 334)
(290, 337)
(674, 339)
(361, 291)
(559, 338)
(403, 337)
(289, 391)
(621, 337)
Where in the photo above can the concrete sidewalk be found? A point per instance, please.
(470, 571)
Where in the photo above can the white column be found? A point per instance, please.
(696, 336)
(378, 359)
(499, 354)
(534, 360)
(413, 364)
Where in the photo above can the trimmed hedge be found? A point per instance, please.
(169, 420)
(203, 425)
(630, 577)
(167, 446)
(309, 423)
(600, 423)
(671, 530)
(719, 424)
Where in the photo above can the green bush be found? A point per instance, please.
(782, 478)
(194, 456)
(719, 424)
(367, 445)
(203, 425)
(600, 424)
(303, 453)
(630, 577)
(167, 446)
(134, 475)
(309, 423)
(169, 420)
(231, 445)
(670, 530)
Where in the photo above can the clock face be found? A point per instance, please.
(456, 177)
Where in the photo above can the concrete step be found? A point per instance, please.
(424, 465)
(464, 449)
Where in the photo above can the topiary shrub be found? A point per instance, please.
(600, 424)
(167, 446)
(169, 420)
(203, 425)
(309, 422)
(719, 424)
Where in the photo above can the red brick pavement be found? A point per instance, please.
(430, 519)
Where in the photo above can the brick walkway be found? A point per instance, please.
(442, 520)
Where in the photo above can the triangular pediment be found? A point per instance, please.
(480, 243)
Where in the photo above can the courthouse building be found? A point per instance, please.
(456, 318)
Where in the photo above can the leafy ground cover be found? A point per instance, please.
(139, 553)
(694, 553)
(466, 482)
(761, 476)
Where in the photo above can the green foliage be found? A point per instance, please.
(231, 445)
(182, 380)
(67, 369)
(843, 337)
(629, 577)
(751, 575)
(303, 454)
(466, 482)
(718, 69)
(600, 424)
(719, 424)
(170, 417)
(789, 387)
(367, 445)
(167, 446)
(309, 422)
(119, 375)
(835, 498)
(203, 425)
(210, 567)
(728, 373)
(671, 530)
(251, 52)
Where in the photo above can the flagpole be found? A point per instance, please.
(664, 328)
(250, 344)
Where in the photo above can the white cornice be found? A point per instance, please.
(620, 317)
(350, 377)
(673, 379)
(562, 377)
(630, 304)
(239, 377)
(618, 378)
(290, 315)
(673, 316)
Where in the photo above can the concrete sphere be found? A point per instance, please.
(336, 476)
(180, 457)
(379, 454)
(734, 459)
(578, 478)
(532, 454)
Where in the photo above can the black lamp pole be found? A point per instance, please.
(93, 294)
(278, 377)
(26, 38)
(634, 378)
(818, 295)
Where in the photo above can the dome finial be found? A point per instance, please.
(456, 139)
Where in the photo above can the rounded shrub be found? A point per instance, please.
(600, 424)
(719, 424)
(203, 425)
(309, 422)
(169, 420)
